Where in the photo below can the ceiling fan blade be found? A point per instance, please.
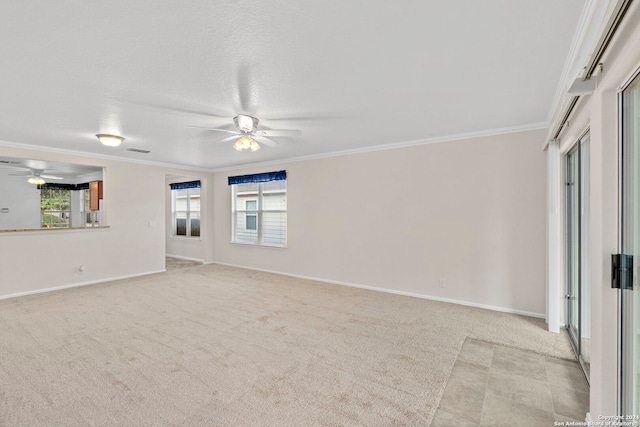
(12, 167)
(266, 141)
(279, 132)
(229, 138)
(310, 118)
(235, 132)
(51, 177)
(20, 174)
(166, 106)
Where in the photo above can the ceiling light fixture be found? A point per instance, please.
(110, 140)
(246, 143)
(36, 180)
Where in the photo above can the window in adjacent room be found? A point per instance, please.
(55, 208)
(89, 217)
(259, 209)
(185, 208)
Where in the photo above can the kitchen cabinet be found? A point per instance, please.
(95, 195)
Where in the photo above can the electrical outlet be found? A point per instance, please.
(443, 284)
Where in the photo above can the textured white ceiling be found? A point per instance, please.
(349, 74)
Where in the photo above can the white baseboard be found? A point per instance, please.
(186, 258)
(396, 292)
(335, 282)
(76, 285)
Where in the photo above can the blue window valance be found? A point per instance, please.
(61, 186)
(258, 177)
(184, 185)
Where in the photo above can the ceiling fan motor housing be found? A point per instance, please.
(246, 124)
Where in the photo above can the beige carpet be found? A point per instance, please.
(215, 345)
(172, 263)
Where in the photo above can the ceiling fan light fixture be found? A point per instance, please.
(36, 180)
(110, 140)
(246, 143)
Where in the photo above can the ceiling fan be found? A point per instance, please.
(36, 176)
(247, 134)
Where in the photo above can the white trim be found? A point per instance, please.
(391, 146)
(44, 231)
(77, 285)
(98, 156)
(186, 258)
(582, 46)
(393, 291)
(258, 245)
(573, 57)
(554, 238)
(411, 143)
(629, 79)
(188, 238)
(588, 418)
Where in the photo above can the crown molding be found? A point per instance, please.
(391, 146)
(395, 145)
(582, 39)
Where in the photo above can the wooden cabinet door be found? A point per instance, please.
(95, 195)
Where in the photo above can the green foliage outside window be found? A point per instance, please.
(55, 208)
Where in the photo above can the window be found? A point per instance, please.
(259, 211)
(55, 208)
(185, 208)
(251, 216)
(89, 217)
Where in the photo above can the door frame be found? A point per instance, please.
(577, 149)
(624, 360)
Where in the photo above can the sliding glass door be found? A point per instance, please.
(573, 244)
(577, 250)
(629, 247)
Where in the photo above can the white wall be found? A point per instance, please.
(21, 199)
(599, 113)
(470, 212)
(76, 201)
(134, 196)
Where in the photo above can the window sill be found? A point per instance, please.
(38, 230)
(257, 245)
(197, 238)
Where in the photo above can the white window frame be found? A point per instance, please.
(188, 212)
(62, 214)
(259, 220)
(250, 213)
(89, 217)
